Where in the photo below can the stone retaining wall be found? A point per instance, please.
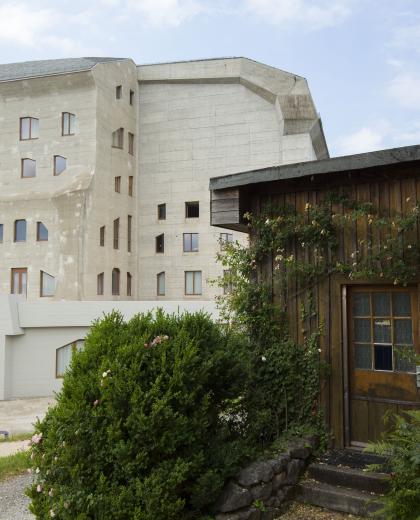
(258, 491)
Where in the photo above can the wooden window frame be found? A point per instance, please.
(30, 138)
(66, 131)
(185, 284)
(22, 168)
(20, 270)
(38, 239)
(157, 283)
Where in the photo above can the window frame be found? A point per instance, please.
(15, 229)
(160, 239)
(71, 123)
(38, 234)
(22, 168)
(194, 293)
(41, 286)
(56, 173)
(159, 208)
(118, 92)
(131, 98)
(130, 185)
(129, 232)
(100, 284)
(119, 132)
(190, 250)
(116, 286)
(162, 273)
(188, 206)
(129, 284)
(20, 271)
(73, 345)
(1, 233)
(117, 184)
(116, 241)
(102, 231)
(31, 119)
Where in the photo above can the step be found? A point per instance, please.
(337, 498)
(350, 478)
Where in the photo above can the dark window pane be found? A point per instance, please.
(403, 334)
(362, 330)
(42, 232)
(382, 331)
(381, 304)
(1, 232)
(192, 209)
(20, 230)
(383, 357)
(361, 304)
(403, 359)
(401, 304)
(363, 356)
(60, 164)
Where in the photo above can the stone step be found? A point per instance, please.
(337, 498)
(350, 478)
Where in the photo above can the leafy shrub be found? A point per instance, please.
(144, 426)
(401, 448)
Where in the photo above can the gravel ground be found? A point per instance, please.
(12, 447)
(13, 501)
(299, 511)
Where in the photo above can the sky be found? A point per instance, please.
(360, 57)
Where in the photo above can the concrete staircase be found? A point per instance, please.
(344, 489)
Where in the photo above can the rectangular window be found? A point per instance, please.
(190, 242)
(115, 282)
(60, 164)
(382, 330)
(161, 211)
(225, 238)
(160, 243)
(19, 280)
(193, 283)
(68, 123)
(29, 128)
(129, 283)
(117, 184)
(131, 97)
(116, 233)
(64, 355)
(130, 186)
(20, 231)
(192, 209)
(160, 284)
(118, 138)
(129, 229)
(47, 284)
(41, 232)
(1, 232)
(100, 284)
(118, 92)
(130, 143)
(28, 168)
(102, 236)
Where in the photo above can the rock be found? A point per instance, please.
(255, 473)
(279, 480)
(233, 497)
(312, 441)
(289, 492)
(249, 514)
(270, 514)
(293, 470)
(280, 498)
(262, 491)
(299, 450)
(279, 463)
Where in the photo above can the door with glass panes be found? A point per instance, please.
(383, 335)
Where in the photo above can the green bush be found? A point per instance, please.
(401, 448)
(145, 426)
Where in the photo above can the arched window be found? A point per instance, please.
(115, 281)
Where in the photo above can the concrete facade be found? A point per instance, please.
(190, 121)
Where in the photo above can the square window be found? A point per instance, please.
(28, 168)
(383, 357)
(161, 211)
(363, 357)
(361, 304)
(381, 304)
(401, 304)
(192, 209)
(190, 242)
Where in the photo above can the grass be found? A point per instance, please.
(16, 437)
(14, 464)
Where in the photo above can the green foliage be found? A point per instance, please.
(146, 424)
(401, 448)
(13, 464)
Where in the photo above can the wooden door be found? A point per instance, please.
(383, 331)
(19, 280)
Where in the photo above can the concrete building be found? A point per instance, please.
(104, 169)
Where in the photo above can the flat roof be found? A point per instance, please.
(344, 163)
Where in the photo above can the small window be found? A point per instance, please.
(116, 233)
(161, 211)
(225, 238)
(41, 232)
(68, 123)
(129, 283)
(47, 284)
(117, 184)
(60, 164)
(1, 232)
(192, 209)
(100, 284)
(118, 138)
(118, 92)
(129, 229)
(160, 284)
(131, 97)
(115, 282)
(20, 231)
(130, 143)
(102, 236)
(193, 282)
(29, 128)
(28, 168)
(19, 281)
(190, 242)
(130, 186)
(64, 355)
(160, 243)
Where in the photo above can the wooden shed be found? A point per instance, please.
(365, 319)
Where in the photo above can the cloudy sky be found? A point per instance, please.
(361, 57)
